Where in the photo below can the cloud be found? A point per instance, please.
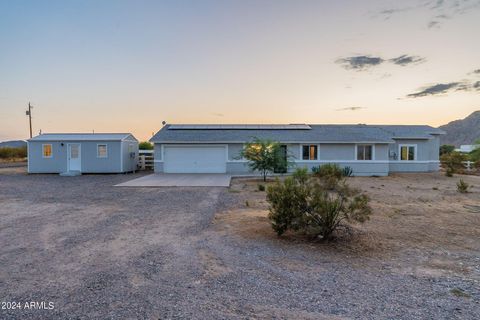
(433, 24)
(360, 63)
(441, 88)
(350, 109)
(404, 60)
(476, 71)
(434, 89)
(218, 114)
(365, 62)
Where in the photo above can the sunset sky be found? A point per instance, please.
(125, 66)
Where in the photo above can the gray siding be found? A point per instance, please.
(427, 155)
(129, 161)
(342, 154)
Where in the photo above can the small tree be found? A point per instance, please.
(145, 145)
(453, 162)
(264, 156)
(446, 148)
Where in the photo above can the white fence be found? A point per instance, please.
(469, 165)
(145, 159)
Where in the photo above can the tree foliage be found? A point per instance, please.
(453, 162)
(446, 148)
(145, 145)
(304, 205)
(264, 156)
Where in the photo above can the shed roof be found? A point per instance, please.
(328, 133)
(82, 137)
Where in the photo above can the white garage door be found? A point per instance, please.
(195, 159)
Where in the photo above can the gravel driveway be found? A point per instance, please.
(99, 252)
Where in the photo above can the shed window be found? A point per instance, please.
(364, 152)
(47, 150)
(407, 153)
(310, 152)
(102, 151)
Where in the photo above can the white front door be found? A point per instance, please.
(195, 159)
(74, 157)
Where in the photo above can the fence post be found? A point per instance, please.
(142, 162)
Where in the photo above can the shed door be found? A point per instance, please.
(74, 157)
(195, 159)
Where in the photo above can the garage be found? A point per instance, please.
(195, 159)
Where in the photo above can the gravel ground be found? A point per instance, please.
(99, 252)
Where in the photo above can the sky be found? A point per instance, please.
(126, 66)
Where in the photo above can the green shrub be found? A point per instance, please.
(330, 175)
(261, 187)
(145, 145)
(446, 148)
(462, 186)
(308, 207)
(347, 171)
(13, 153)
(452, 162)
(301, 175)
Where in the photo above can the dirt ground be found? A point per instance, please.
(420, 222)
(101, 252)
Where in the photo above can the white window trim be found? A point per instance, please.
(301, 152)
(364, 144)
(400, 152)
(106, 149)
(51, 150)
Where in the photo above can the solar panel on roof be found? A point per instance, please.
(240, 127)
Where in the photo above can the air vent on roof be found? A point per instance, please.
(239, 127)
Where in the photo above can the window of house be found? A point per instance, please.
(47, 150)
(407, 153)
(364, 152)
(102, 151)
(310, 152)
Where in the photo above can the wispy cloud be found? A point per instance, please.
(218, 114)
(440, 10)
(443, 88)
(439, 88)
(360, 63)
(404, 60)
(366, 62)
(350, 109)
(476, 71)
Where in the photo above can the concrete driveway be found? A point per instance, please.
(180, 180)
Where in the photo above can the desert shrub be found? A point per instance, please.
(145, 145)
(13, 153)
(306, 206)
(261, 187)
(347, 171)
(330, 175)
(452, 162)
(462, 186)
(301, 175)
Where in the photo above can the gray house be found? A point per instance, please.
(74, 153)
(367, 149)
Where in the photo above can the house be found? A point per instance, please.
(367, 149)
(74, 153)
(467, 148)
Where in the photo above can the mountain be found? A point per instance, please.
(13, 144)
(464, 131)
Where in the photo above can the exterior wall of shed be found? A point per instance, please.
(90, 163)
(427, 155)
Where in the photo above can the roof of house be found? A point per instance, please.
(81, 137)
(328, 133)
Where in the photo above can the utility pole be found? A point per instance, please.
(29, 114)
